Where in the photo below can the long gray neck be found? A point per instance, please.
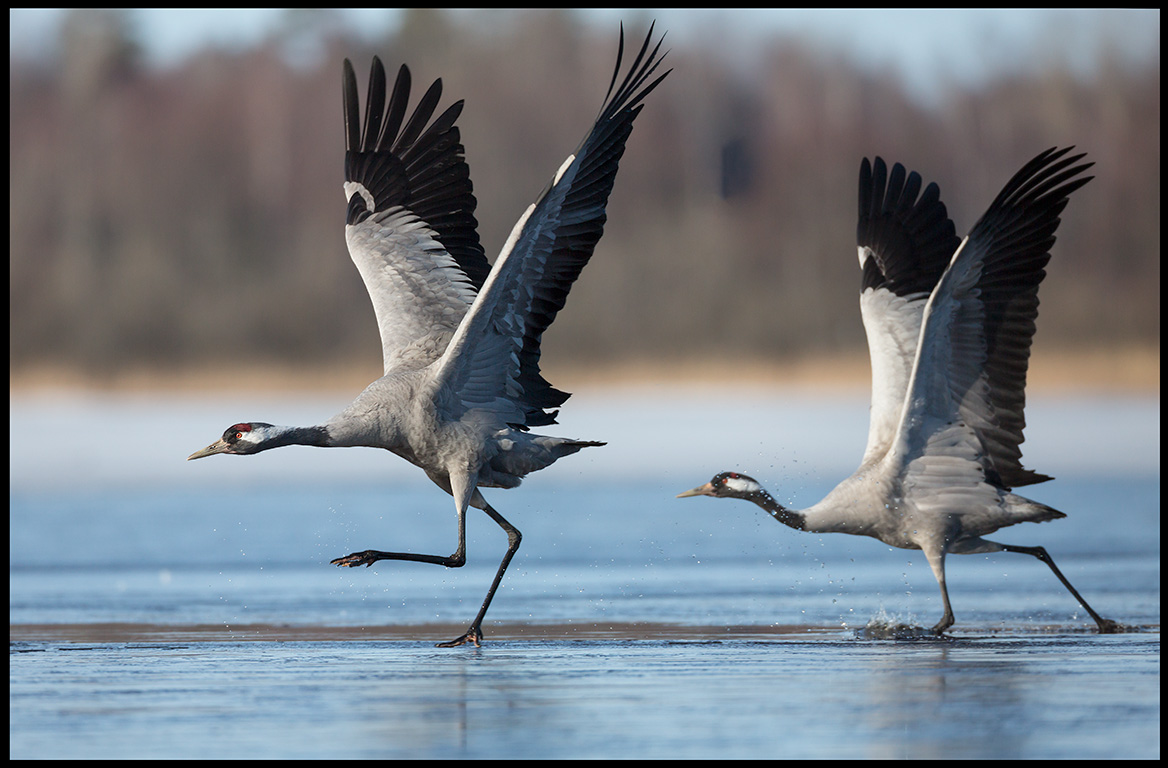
(790, 517)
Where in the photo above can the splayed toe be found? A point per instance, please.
(353, 560)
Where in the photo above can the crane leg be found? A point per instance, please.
(937, 563)
(1106, 626)
(474, 634)
(371, 556)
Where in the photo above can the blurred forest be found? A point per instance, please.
(193, 216)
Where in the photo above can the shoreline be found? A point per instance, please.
(560, 631)
(129, 632)
(1132, 370)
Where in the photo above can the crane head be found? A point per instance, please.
(238, 438)
(726, 485)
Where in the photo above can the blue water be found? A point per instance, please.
(825, 697)
(620, 552)
(108, 524)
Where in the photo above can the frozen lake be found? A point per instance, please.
(160, 608)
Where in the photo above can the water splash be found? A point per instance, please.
(885, 626)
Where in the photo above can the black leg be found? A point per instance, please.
(1106, 626)
(474, 634)
(371, 556)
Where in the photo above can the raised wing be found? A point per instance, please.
(904, 245)
(968, 388)
(410, 224)
(493, 361)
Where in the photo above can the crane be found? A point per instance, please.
(460, 338)
(949, 325)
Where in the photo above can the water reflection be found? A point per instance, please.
(828, 696)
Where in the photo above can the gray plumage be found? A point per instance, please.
(949, 325)
(460, 338)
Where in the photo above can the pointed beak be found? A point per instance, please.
(219, 446)
(701, 490)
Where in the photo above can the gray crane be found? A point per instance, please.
(949, 325)
(460, 338)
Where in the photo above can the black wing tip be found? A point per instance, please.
(381, 134)
(380, 131)
(632, 89)
(1044, 184)
(908, 231)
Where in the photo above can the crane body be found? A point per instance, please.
(949, 323)
(461, 386)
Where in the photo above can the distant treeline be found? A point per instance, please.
(195, 215)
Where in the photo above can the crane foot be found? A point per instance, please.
(366, 558)
(1109, 627)
(473, 635)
